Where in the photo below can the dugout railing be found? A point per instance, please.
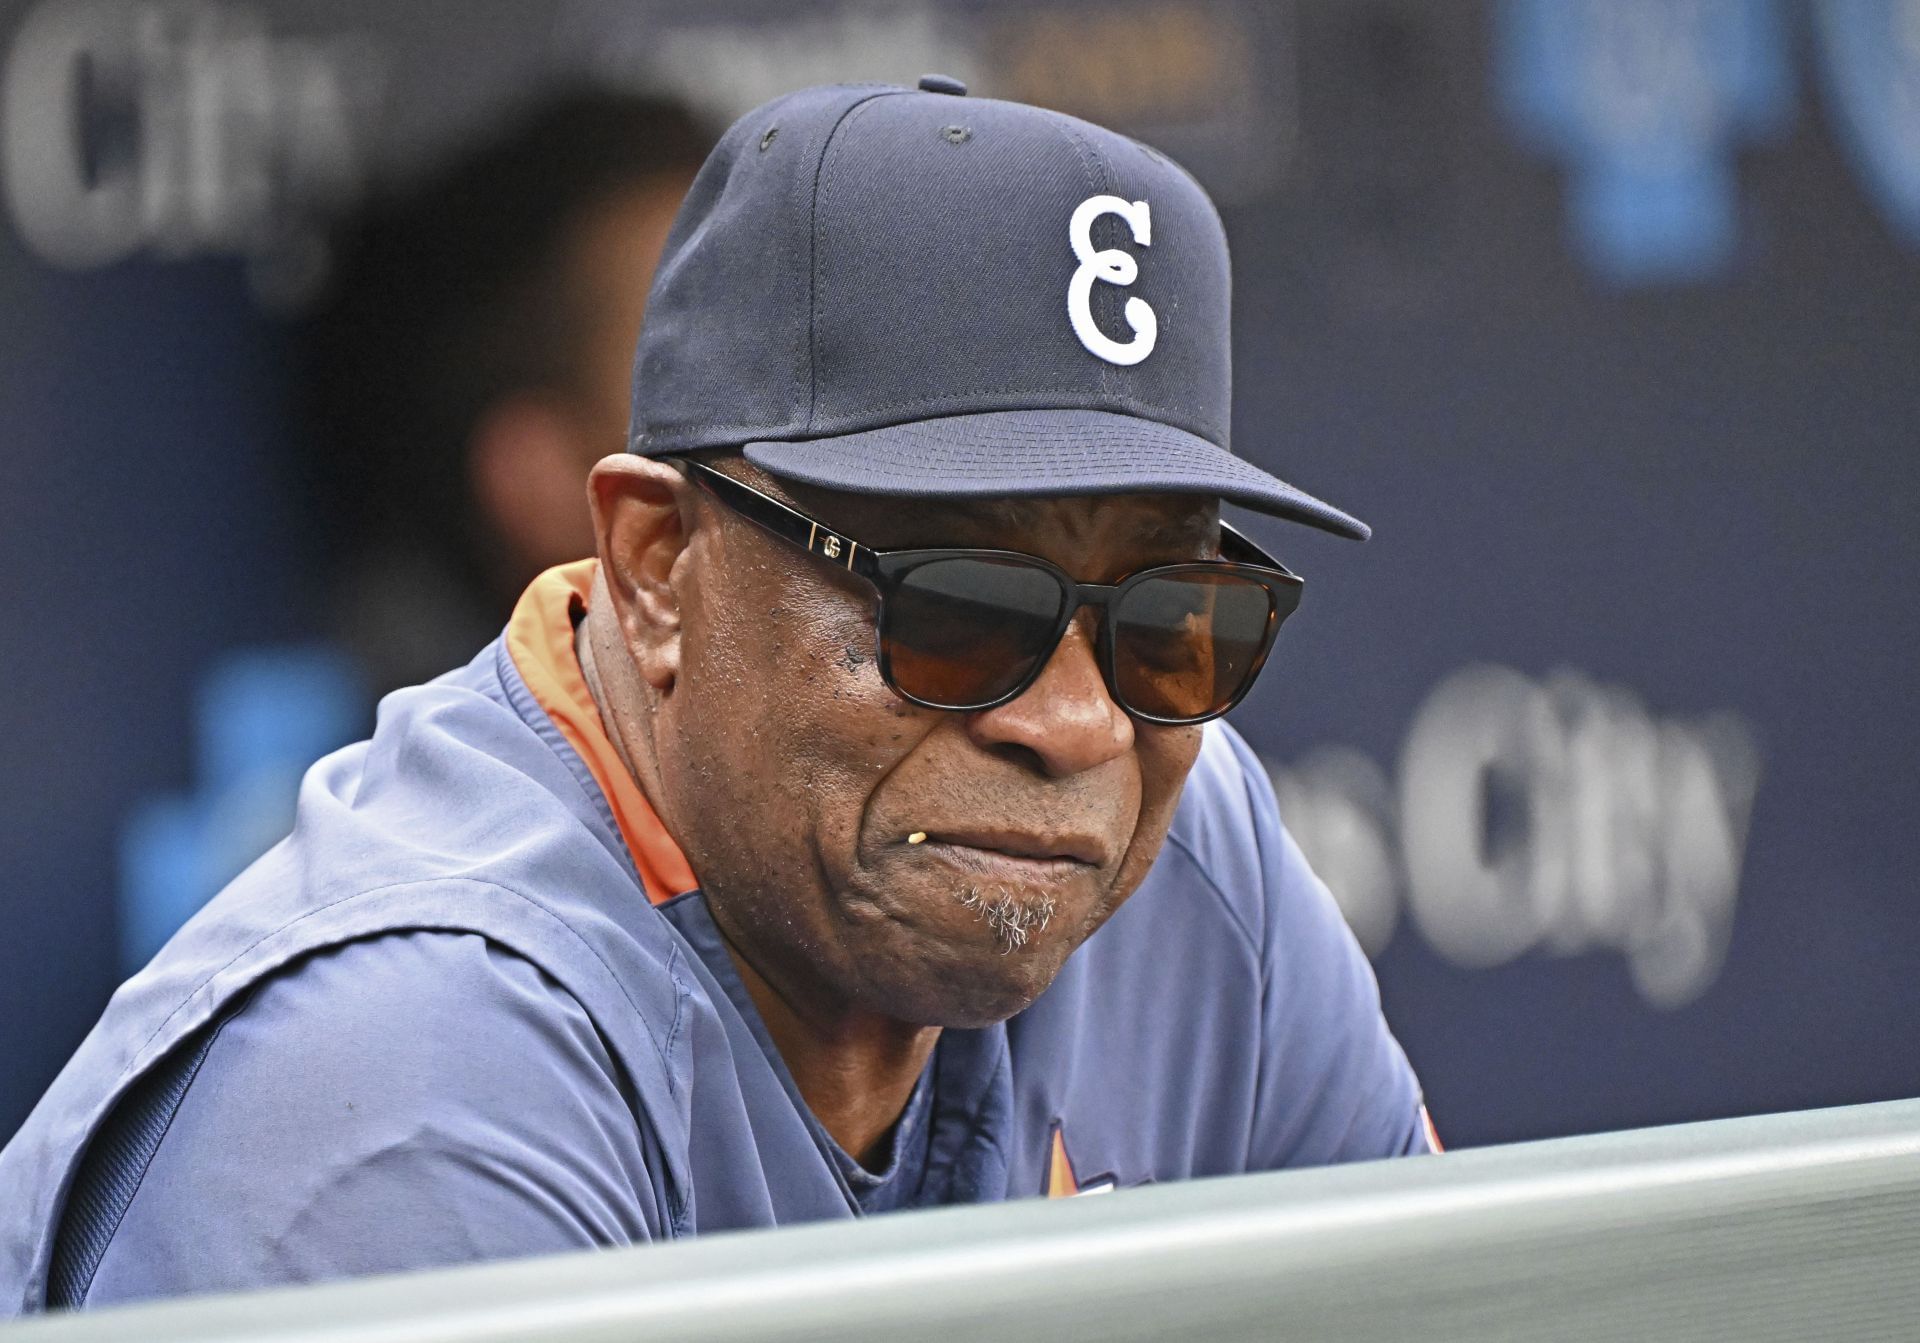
(1789, 1226)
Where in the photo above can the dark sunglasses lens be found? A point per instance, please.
(1186, 645)
(963, 632)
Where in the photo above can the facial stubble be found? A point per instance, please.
(1012, 918)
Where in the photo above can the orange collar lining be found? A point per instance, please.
(540, 641)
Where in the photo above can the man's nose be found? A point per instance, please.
(1067, 717)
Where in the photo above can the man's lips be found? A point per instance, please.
(1019, 851)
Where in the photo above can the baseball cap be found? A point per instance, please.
(913, 292)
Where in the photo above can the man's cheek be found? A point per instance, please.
(844, 758)
(1166, 758)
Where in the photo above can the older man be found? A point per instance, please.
(772, 866)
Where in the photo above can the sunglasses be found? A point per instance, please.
(968, 629)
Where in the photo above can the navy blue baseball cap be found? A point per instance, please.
(913, 292)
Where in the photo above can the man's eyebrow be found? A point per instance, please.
(1190, 528)
(1195, 527)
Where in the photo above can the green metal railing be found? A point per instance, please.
(1792, 1226)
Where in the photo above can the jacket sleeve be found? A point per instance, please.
(415, 1099)
(1334, 1084)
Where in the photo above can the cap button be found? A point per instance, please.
(943, 84)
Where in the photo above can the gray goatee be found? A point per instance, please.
(1012, 919)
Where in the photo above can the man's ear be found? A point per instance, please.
(643, 516)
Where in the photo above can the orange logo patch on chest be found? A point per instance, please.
(1061, 1180)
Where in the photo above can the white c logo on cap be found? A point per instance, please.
(1115, 267)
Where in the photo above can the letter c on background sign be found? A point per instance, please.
(68, 216)
(1115, 267)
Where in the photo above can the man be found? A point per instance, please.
(846, 838)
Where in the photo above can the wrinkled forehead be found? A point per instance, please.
(1156, 526)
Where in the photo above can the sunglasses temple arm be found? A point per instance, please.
(789, 524)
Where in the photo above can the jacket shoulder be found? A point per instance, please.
(416, 1098)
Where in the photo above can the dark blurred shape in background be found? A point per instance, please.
(468, 362)
(464, 364)
(1605, 313)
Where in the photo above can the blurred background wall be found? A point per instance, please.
(1604, 313)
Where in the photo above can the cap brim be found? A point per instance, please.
(1041, 452)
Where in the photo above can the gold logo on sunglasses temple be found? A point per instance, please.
(829, 544)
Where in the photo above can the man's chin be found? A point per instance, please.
(977, 984)
(977, 1011)
(968, 953)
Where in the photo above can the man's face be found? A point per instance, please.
(794, 777)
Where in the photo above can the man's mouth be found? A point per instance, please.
(1012, 855)
(1012, 880)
